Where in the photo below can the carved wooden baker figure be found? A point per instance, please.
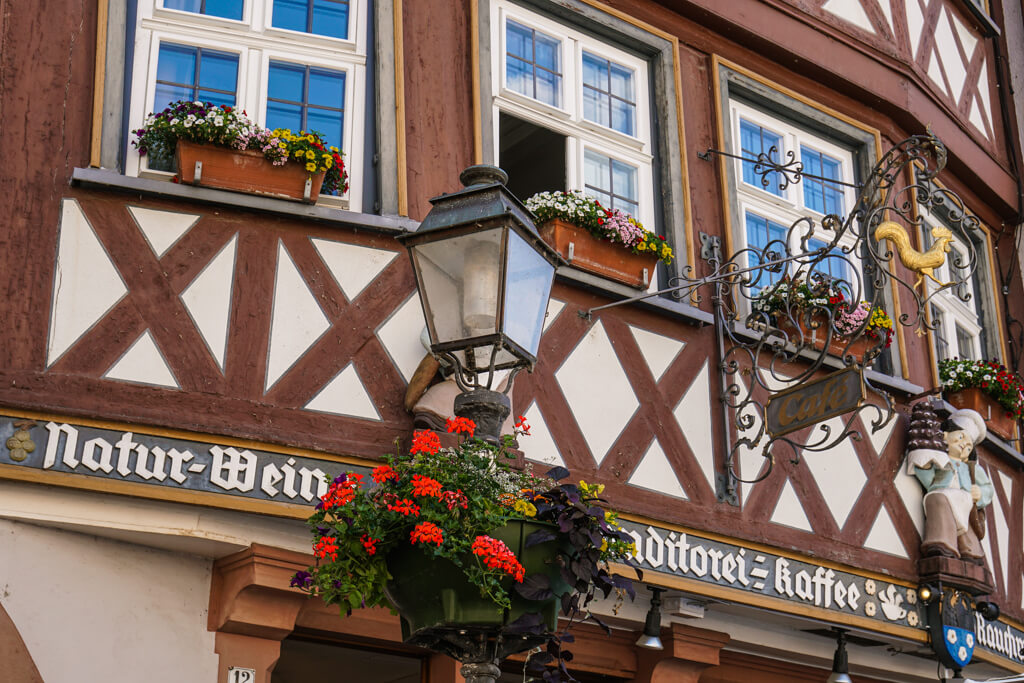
(943, 459)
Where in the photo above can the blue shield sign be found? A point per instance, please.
(959, 644)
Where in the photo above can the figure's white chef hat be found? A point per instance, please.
(971, 422)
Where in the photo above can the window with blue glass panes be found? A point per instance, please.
(762, 232)
(226, 9)
(184, 72)
(819, 194)
(195, 74)
(533, 64)
(580, 104)
(611, 182)
(834, 265)
(754, 141)
(609, 97)
(320, 17)
(306, 98)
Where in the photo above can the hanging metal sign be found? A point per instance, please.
(812, 402)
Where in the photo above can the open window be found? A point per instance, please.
(574, 108)
(575, 98)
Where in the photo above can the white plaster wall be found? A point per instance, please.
(96, 610)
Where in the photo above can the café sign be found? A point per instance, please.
(811, 402)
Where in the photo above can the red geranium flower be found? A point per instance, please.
(326, 547)
(460, 425)
(425, 441)
(370, 544)
(383, 473)
(427, 532)
(496, 555)
(425, 486)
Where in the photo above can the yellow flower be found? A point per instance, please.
(298, 154)
(525, 508)
(642, 246)
(604, 544)
(310, 155)
(311, 167)
(282, 144)
(329, 162)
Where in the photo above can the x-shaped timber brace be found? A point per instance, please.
(763, 349)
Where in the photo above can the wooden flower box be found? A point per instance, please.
(817, 337)
(994, 414)
(245, 171)
(600, 257)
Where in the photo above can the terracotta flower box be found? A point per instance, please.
(994, 414)
(600, 257)
(817, 337)
(245, 171)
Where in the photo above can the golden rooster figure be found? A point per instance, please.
(925, 263)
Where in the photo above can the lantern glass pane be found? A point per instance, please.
(527, 288)
(460, 284)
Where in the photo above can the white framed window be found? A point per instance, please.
(580, 106)
(769, 204)
(958, 324)
(286, 63)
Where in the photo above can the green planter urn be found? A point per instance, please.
(442, 611)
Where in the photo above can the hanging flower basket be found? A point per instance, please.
(606, 242)
(433, 592)
(466, 548)
(607, 259)
(245, 171)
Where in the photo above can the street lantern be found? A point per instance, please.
(484, 277)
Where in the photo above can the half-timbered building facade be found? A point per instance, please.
(181, 367)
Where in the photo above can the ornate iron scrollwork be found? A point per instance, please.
(776, 315)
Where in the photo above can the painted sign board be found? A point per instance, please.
(746, 573)
(811, 402)
(215, 471)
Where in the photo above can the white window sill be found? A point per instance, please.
(107, 179)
